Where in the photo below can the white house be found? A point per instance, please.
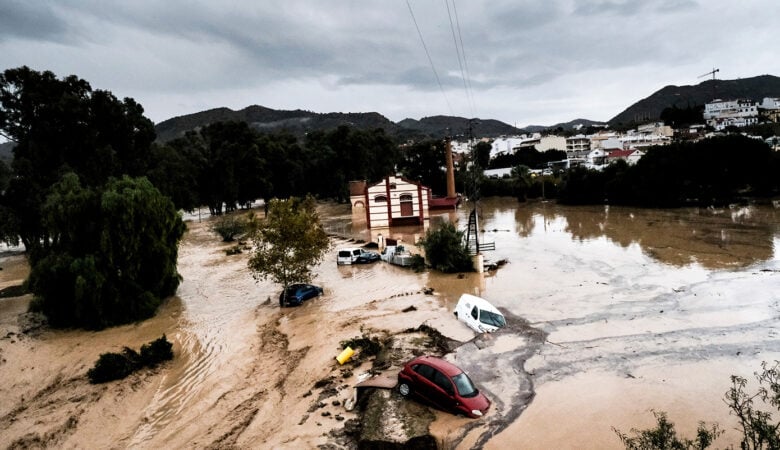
(393, 201)
(720, 114)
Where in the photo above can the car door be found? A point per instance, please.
(472, 320)
(443, 394)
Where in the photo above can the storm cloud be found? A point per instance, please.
(526, 62)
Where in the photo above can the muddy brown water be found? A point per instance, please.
(613, 312)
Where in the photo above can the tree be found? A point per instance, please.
(445, 249)
(759, 430)
(112, 254)
(288, 242)
(482, 153)
(664, 436)
(63, 126)
(424, 162)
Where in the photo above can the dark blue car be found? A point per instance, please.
(298, 293)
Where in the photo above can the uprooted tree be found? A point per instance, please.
(289, 242)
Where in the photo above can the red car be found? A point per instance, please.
(442, 384)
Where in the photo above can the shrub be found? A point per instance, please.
(230, 227)
(116, 366)
(156, 352)
(445, 249)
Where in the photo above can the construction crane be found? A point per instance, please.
(712, 72)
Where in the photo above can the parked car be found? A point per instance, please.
(298, 293)
(479, 314)
(355, 256)
(443, 385)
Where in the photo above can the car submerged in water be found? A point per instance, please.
(479, 314)
(442, 384)
(298, 293)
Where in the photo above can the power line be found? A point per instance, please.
(457, 50)
(467, 77)
(427, 53)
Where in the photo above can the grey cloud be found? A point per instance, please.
(31, 20)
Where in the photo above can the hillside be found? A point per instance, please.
(299, 122)
(440, 126)
(649, 109)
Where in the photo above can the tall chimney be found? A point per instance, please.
(450, 171)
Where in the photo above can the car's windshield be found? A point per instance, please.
(491, 318)
(464, 385)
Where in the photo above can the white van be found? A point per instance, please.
(355, 256)
(478, 314)
(347, 255)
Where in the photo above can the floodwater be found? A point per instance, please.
(612, 312)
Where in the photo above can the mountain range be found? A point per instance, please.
(299, 122)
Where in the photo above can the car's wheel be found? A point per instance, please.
(404, 389)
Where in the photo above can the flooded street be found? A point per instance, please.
(612, 313)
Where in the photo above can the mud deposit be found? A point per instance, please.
(612, 312)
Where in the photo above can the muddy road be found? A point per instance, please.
(613, 312)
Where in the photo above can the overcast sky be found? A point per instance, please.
(526, 62)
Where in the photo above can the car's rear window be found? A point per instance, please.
(345, 254)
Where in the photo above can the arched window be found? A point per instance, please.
(380, 199)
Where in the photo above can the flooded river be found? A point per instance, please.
(613, 312)
(642, 310)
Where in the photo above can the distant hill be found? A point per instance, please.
(297, 122)
(441, 126)
(566, 126)
(649, 109)
(300, 122)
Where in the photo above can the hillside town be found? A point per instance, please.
(599, 149)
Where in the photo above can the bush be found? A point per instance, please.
(116, 366)
(230, 227)
(445, 249)
(156, 352)
(759, 429)
(664, 436)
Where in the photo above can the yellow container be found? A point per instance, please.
(345, 355)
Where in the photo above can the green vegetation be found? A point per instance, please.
(116, 366)
(445, 249)
(231, 227)
(111, 256)
(714, 171)
(288, 242)
(664, 436)
(759, 429)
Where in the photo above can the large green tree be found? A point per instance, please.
(112, 255)
(425, 162)
(61, 126)
(289, 242)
